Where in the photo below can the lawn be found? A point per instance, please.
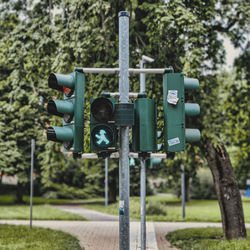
(205, 238)
(39, 212)
(163, 208)
(21, 237)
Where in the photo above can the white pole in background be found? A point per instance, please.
(143, 164)
(31, 178)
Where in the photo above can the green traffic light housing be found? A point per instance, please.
(103, 132)
(71, 109)
(175, 109)
(63, 135)
(144, 131)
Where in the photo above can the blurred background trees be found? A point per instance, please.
(40, 37)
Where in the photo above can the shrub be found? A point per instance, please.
(155, 208)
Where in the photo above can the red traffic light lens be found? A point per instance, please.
(67, 91)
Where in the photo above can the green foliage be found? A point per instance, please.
(34, 41)
(21, 237)
(202, 187)
(205, 238)
(155, 208)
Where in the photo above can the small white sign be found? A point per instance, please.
(172, 97)
(173, 141)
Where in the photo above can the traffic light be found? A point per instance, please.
(103, 132)
(144, 131)
(153, 161)
(175, 109)
(71, 109)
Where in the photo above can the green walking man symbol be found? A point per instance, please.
(102, 137)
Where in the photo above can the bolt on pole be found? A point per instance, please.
(124, 241)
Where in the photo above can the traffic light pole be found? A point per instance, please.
(143, 164)
(124, 241)
(106, 182)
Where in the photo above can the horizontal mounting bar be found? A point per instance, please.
(131, 71)
(117, 94)
(116, 155)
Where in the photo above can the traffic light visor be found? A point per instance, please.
(52, 109)
(53, 83)
(102, 109)
(62, 82)
(51, 134)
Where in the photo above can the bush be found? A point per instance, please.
(155, 208)
(202, 187)
(205, 238)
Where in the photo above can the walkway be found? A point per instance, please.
(104, 233)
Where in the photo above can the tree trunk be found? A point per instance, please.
(187, 193)
(19, 193)
(112, 186)
(227, 192)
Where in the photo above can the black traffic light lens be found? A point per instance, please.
(51, 134)
(52, 109)
(102, 136)
(102, 109)
(53, 83)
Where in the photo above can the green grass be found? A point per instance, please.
(21, 237)
(196, 210)
(205, 238)
(39, 212)
(10, 199)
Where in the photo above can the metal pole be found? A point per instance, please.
(124, 132)
(117, 70)
(143, 176)
(31, 178)
(183, 190)
(143, 204)
(117, 155)
(106, 182)
(143, 162)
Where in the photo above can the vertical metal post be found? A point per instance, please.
(31, 178)
(143, 176)
(124, 240)
(143, 204)
(183, 190)
(106, 182)
(143, 164)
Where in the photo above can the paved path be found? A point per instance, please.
(87, 213)
(104, 233)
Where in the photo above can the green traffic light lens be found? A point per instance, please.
(102, 136)
(102, 109)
